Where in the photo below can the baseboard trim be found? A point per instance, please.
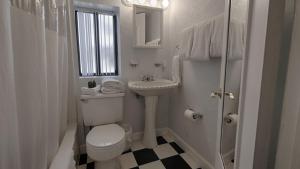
(190, 150)
(139, 135)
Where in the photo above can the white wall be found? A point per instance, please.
(288, 150)
(251, 83)
(199, 79)
(134, 107)
(270, 96)
(239, 9)
(260, 91)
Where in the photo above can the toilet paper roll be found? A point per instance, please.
(191, 115)
(231, 119)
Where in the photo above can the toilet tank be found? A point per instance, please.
(102, 109)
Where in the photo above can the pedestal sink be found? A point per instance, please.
(151, 90)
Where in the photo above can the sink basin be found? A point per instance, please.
(151, 90)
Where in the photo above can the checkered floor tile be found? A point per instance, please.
(167, 155)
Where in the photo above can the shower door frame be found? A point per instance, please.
(219, 164)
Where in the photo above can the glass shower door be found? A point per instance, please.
(235, 51)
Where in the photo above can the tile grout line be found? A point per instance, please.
(146, 157)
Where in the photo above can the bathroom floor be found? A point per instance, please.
(167, 155)
(229, 165)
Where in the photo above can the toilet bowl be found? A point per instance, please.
(107, 140)
(104, 144)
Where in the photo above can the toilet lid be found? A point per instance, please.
(105, 135)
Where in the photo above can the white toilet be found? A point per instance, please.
(106, 141)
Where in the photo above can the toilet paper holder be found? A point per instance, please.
(196, 115)
(227, 118)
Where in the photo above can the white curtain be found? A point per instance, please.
(35, 84)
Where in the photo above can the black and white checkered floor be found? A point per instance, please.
(167, 155)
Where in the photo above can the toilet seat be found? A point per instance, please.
(105, 142)
(105, 136)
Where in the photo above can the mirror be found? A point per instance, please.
(148, 26)
(234, 66)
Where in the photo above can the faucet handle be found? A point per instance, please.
(151, 77)
(148, 77)
(144, 77)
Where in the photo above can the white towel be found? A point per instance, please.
(202, 41)
(112, 82)
(186, 42)
(216, 45)
(236, 42)
(90, 91)
(110, 90)
(110, 85)
(176, 69)
(155, 42)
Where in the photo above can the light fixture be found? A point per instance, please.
(153, 2)
(127, 2)
(165, 4)
(142, 2)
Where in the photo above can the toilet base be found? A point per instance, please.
(110, 164)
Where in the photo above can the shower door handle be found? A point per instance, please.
(215, 94)
(219, 94)
(230, 95)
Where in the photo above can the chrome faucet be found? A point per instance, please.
(148, 78)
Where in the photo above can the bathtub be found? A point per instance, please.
(64, 159)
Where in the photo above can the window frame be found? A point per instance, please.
(96, 13)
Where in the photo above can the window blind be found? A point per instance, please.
(97, 43)
(107, 44)
(86, 43)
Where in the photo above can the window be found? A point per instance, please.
(97, 42)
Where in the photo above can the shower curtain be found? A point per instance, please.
(36, 82)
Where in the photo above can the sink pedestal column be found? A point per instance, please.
(149, 139)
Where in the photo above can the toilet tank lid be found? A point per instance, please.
(101, 96)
